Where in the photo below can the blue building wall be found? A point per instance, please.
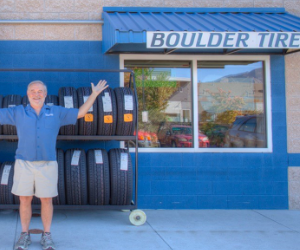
(166, 180)
(222, 180)
(53, 55)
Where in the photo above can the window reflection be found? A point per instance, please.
(164, 93)
(231, 103)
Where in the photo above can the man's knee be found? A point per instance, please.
(46, 201)
(25, 199)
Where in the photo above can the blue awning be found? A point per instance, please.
(125, 29)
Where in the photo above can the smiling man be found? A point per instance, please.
(36, 170)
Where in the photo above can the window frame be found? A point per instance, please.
(193, 59)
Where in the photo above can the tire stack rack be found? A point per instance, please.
(136, 217)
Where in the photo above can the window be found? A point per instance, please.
(232, 93)
(164, 92)
(223, 101)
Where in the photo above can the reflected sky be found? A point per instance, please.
(212, 74)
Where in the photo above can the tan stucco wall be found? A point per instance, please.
(293, 101)
(91, 10)
(294, 187)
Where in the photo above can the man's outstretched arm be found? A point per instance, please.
(96, 90)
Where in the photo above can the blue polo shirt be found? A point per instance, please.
(37, 134)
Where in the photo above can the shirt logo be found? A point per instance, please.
(48, 114)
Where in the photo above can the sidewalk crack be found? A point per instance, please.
(159, 236)
(277, 222)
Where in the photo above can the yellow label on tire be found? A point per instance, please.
(128, 118)
(89, 118)
(108, 119)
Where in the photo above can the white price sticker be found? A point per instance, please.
(85, 99)
(128, 102)
(75, 158)
(106, 100)
(68, 102)
(98, 157)
(5, 174)
(124, 161)
(144, 116)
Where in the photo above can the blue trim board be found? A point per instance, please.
(166, 180)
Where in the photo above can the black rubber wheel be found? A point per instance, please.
(121, 181)
(25, 101)
(16, 199)
(61, 198)
(98, 178)
(8, 101)
(51, 100)
(87, 127)
(36, 200)
(126, 118)
(62, 93)
(107, 120)
(1, 102)
(76, 178)
(6, 197)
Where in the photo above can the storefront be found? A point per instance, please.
(212, 99)
(211, 89)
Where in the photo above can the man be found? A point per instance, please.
(36, 170)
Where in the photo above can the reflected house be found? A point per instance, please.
(179, 105)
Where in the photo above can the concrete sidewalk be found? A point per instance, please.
(164, 229)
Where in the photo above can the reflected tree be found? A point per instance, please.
(154, 91)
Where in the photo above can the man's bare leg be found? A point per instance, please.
(25, 212)
(47, 213)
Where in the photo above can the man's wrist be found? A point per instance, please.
(94, 94)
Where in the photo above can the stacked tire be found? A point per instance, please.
(87, 124)
(76, 177)
(120, 176)
(114, 112)
(11, 101)
(67, 97)
(6, 182)
(98, 177)
(61, 198)
(126, 110)
(107, 112)
(1, 101)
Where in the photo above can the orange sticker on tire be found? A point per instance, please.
(108, 119)
(128, 118)
(89, 118)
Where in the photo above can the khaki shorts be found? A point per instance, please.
(37, 178)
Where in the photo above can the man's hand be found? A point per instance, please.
(99, 87)
(96, 90)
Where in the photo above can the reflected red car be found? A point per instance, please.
(180, 136)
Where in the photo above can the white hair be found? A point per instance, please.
(39, 82)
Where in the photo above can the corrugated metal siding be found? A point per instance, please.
(193, 21)
(131, 26)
